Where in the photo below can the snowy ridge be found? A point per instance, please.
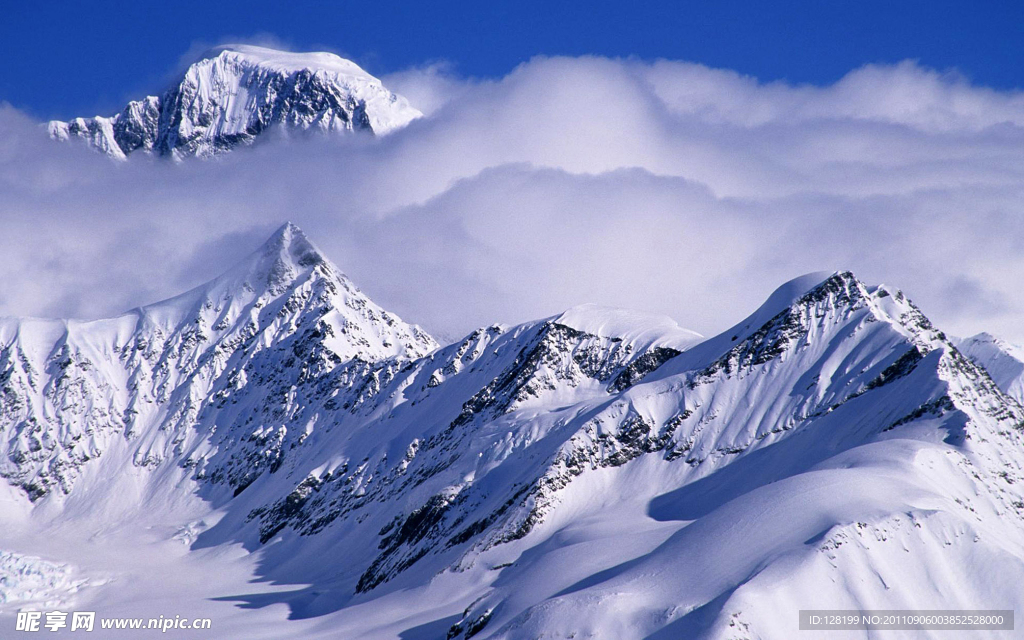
(1003, 360)
(600, 473)
(233, 94)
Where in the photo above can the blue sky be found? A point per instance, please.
(65, 59)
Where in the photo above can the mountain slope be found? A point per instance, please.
(844, 455)
(557, 512)
(235, 93)
(599, 473)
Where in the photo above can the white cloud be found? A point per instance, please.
(664, 186)
(430, 86)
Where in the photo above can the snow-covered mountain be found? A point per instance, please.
(599, 473)
(1003, 360)
(163, 376)
(234, 93)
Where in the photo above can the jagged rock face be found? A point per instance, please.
(551, 471)
(234, 94)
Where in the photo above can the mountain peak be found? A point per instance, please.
(289, 273)
(794, 292)
(284, 259)
(291, 244)
(234, 93)
(286, 61)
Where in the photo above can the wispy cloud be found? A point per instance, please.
(665, 186)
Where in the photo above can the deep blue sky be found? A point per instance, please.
(64, 59)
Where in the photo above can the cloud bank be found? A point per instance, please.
(665, 186)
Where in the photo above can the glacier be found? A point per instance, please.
(275, 450)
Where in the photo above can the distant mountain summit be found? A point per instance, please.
(234, 93)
